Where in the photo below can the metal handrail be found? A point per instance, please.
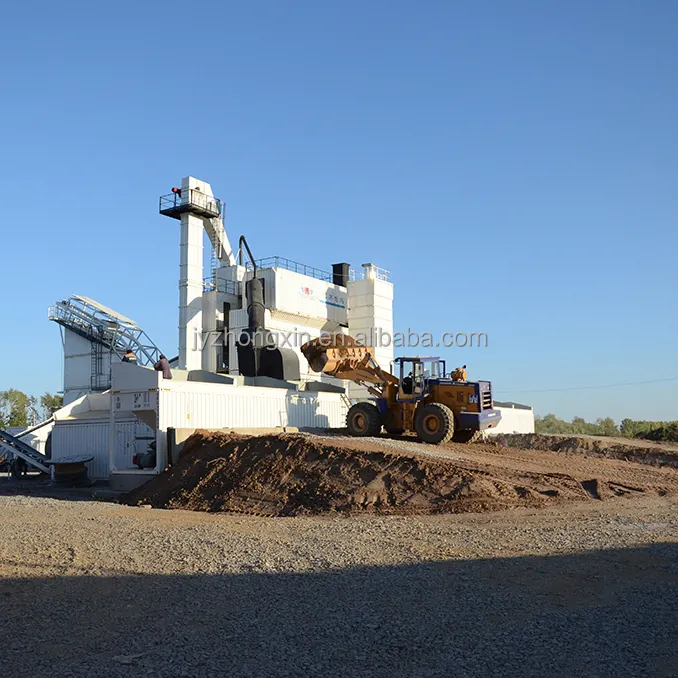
(223, 286)
(95, 325)
(382, 274)
(294, 266)
(379, 274)
(191, 197)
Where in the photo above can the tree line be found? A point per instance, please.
(629, 428)
(19, 409)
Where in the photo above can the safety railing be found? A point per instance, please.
(369, 271)
(294, 266)
(96, 325)
(190, 200)
(224, 286)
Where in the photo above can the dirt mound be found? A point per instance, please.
(641, 452)
(292, 474)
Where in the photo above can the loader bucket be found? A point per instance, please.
(315, 354)
(330, 348)
(341, 356)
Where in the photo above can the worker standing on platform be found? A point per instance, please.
(129, 357)
(163, 366)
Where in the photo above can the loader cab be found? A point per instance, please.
(415, 373)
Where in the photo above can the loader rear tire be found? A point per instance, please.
(434, 423)
(363, 420)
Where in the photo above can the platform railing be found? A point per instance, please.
(209, 284)
(369, 272)
(294, 266)
(189, 200)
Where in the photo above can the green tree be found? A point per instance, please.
(548, 424)
(578, 426)
(638, 429)
(551, 424)
(629, 428)
(607, 427)
(17, 409)
(626, 428)
(50, 404)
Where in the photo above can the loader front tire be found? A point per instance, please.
(434, 423)
(363, 420)
(466, 436)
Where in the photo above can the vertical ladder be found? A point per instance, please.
(98, 380)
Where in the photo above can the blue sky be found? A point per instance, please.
(514, 165)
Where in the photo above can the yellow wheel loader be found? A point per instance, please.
(422, 399)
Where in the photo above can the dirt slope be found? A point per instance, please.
(627, 449)
(297, 474)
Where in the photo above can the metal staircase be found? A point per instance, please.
(15, 447)
(106, 330)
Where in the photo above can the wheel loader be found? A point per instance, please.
(422, 399)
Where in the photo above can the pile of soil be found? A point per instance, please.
(625, 449)
(293, 474)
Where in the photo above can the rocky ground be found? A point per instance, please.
(577, 587)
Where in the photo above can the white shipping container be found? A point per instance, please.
(182, 404)
(143, 394)
(74, 438)
(514, 420)
(247, 407)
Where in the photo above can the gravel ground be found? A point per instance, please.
(97, 589)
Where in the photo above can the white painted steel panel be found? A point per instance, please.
(514, 420)
(249, 407)
(193, 404)
(189, 404)
(38, 439)
(78, 366)
(303, 295)
(91, 438)
(124, 446)
(105, 309)
(370, 320)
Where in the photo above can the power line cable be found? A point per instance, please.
(589, 388)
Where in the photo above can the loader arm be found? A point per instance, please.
(341, 356)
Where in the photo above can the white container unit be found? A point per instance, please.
(163, 404)
(200, 405)
(515, 418)
(75, 438)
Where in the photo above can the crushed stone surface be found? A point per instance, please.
(99, 589)
(578, 584)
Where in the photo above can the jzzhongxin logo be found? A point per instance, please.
(375, 337)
